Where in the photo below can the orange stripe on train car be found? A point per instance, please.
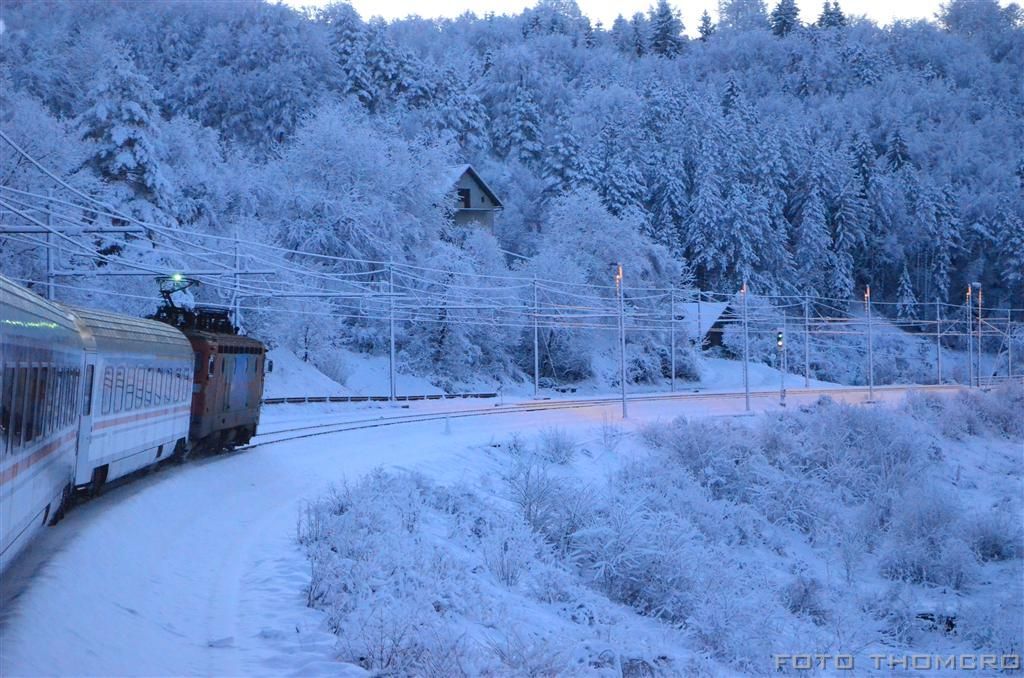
(11, 472)
(140, 417)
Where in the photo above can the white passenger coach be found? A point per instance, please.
(85, 397)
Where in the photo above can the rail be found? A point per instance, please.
(373, 398)
(331, 427)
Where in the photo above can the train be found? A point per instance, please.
(87, 397)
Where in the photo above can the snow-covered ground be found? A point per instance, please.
(195, 570)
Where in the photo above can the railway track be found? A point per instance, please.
(330, 428)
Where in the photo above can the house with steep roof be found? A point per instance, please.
(476, 204)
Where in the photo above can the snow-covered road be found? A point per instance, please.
(193, 570)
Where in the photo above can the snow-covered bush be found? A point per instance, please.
(995, 535)
(556, 445)
(923, 543)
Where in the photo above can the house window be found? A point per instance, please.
(464, 198)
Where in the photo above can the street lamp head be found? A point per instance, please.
(976, 284)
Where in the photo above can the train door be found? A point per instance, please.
(83, 466)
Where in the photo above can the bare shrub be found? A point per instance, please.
(556, 445)
(994, 535)
(509, 550)
(611, 433)
(527, 656)
(922, 545)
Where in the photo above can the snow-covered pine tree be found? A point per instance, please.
(784, 18)
(742, 15)
(639, 35)
(897, 154)
(813, 242)
(526, 136)
(906, 301)
(622, 185)
(666, 32)
(670, 207)
(561, 157)
(831, 15)
(706, 28)
(1011, 251)
(123, 123)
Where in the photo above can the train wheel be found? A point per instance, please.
(65, 502)
(99, 476)
(181, 451)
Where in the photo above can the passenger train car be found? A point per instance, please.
(87, 397)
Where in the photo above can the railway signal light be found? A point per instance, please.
(779, 340)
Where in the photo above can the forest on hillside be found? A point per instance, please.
(803, 159)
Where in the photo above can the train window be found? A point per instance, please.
(129, 389)
(149, 386)
(59, 398)
(212, 362)
(158, 386)
(18, 405)
(6, 409)
(119, 389)
(70, 401)
(75, 381)
(42, 403)
(29, 408)
(87, 392)
(140, 386)
(108, 389)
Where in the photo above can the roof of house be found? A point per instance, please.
(698, 322)
(455, 173)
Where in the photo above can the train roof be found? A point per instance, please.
(222, 339)
(47, 314)
(113, 329)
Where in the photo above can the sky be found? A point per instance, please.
(879, 11)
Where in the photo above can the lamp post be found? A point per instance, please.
(977, 371)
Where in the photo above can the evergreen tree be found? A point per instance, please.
(622, 35)
(666, 31)
(831, 15)
(706, 28)
(898, 154)
(561, 158)
(1011, 250)
(813, 242)
(784, 18)
(526, 136)
(743, 15)
(123, 124)
(638, 35)
(906, 302)
(731, 96)
(670, 209)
